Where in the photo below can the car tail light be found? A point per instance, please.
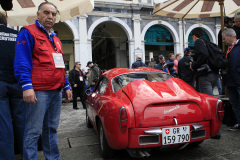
(123, 119)
(220, 110)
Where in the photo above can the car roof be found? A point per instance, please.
(120, 70)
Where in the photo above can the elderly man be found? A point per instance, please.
(233, 74)
(39, 68)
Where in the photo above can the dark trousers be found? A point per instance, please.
(12, 119)
(207, 82)
(79, 92)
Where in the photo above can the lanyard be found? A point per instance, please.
(52, 41)
(53, 45)
(231, 47)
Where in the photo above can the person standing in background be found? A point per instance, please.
(12, 112)
(236, 26)
(138, 63)
(77, 81)
(233, 74)
(184, 72)
(178, 56)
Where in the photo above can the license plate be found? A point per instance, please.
(175, 135)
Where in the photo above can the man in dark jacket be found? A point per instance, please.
(206, 77)
(162, 65)
(93, 74)
(170, 64)
(184, 72)
(138, 63)
(12, 112)
(77, 81)
(236, 26)
(233, 72)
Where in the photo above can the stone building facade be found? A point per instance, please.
(118, 30)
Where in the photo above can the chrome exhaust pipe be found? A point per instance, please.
(146, 153)
(141, 154)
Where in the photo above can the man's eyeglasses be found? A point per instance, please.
(79, 64)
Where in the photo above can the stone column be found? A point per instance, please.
(84, 50)
(137, 38)
(76, 50)
(181, 36)
(218, 28)
(131, 52)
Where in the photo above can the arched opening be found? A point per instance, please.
(64, 33)
(158, 40)
(109, 46)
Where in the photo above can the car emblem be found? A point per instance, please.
(167, 131)
(170, 110)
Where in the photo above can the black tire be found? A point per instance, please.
(88, 123)
(106, 151)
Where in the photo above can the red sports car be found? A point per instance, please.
(139, 109)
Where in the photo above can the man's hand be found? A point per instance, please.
(191, 66)
(69, 95)
(164, 66)
(75, 85)
(29, 96)
(83, 70)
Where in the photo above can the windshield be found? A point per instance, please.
(122, 80)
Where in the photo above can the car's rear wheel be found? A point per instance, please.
(88, 123)
(106, 151)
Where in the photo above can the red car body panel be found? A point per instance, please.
(150, 105)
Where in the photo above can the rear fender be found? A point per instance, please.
(109, 115)
(209, 107)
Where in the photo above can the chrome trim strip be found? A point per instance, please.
(175, 119)
(119, 114)
(155, 131)
(197, 126)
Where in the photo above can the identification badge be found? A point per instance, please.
(80, 78)
(58, 60)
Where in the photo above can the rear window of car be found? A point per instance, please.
(121, 81)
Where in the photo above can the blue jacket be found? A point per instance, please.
(160, 67)
(23, 58)
(233, 69)
(138, 63)
(170, 64)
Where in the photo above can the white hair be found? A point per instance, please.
(229, 31)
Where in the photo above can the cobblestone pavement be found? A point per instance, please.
(77, 142)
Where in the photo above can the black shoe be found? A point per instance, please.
(235, 128)
(76, 108)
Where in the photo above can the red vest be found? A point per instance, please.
(44, 74)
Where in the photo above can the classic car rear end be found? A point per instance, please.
(146, 110)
